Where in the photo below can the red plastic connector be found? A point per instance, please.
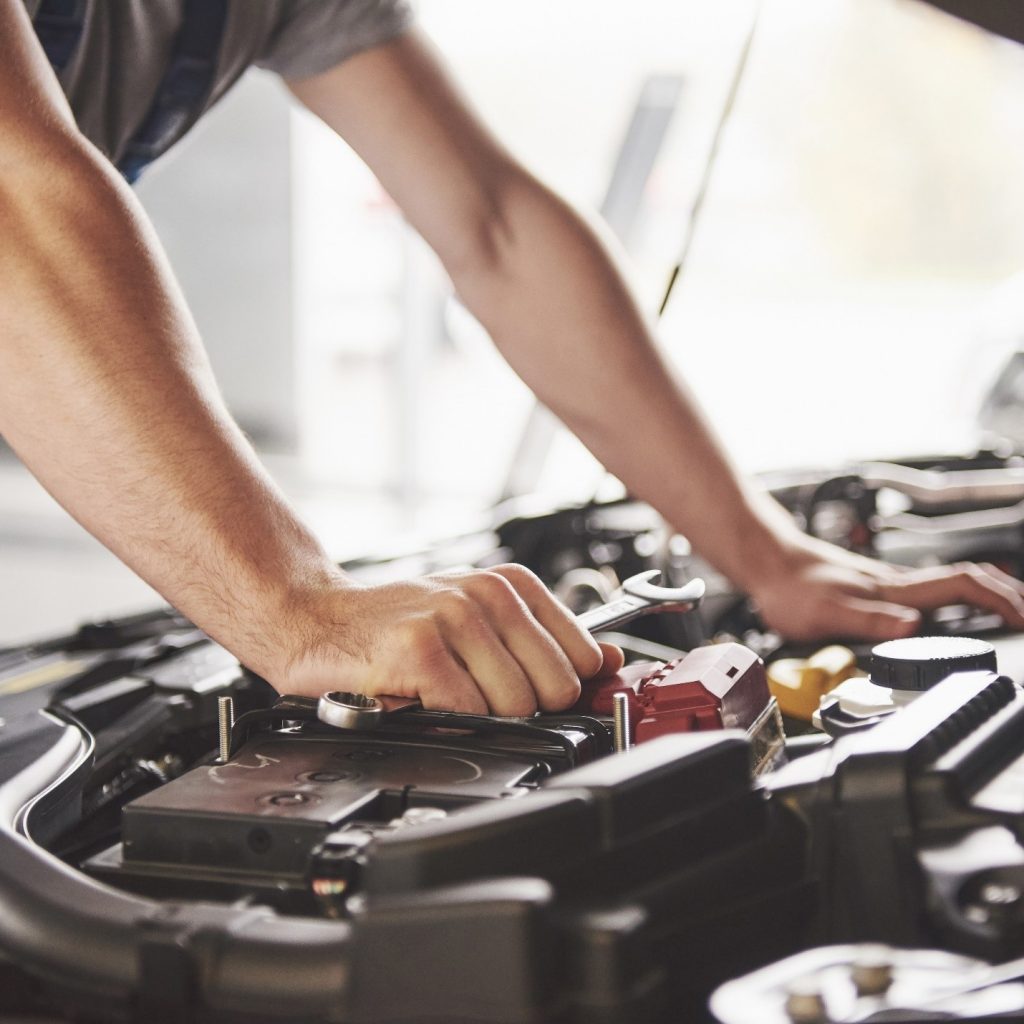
(722, 686)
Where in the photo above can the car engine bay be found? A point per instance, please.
(181, 843)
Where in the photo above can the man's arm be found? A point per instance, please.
(107, 395)
(542, 282)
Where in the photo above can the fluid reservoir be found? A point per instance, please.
(901, 670)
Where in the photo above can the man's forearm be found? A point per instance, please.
(106, 393)
(554, 302)
(575, 340)
(546, 289)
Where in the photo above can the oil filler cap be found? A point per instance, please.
(919, 662)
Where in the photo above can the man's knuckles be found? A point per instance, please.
(560, 694)
(423, 645)
(449, 693)
(525, 582)
(454, 608)
(518, 703)
(587, 658)
(494, 591)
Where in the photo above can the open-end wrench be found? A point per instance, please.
(641, 596)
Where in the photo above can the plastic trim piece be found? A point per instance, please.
(94, 939)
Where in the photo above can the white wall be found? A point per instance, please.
(221, 202)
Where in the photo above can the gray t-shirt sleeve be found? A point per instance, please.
(315, 35)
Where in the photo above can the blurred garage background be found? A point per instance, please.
(850, 290)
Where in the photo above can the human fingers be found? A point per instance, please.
(413, 661)
(868, 619)
(430, 670)
(964, 583)
(462, 643)
(614, 659)
(1016, 585)
(579, 646)
(471, 637)
(547, 667)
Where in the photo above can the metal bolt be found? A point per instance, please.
(225, 723)
(804, 1002)
(288, 799)
(1000, 894)
(620, 711)
(339, 776)
(976, 914)
(871, 971)
(421, 815)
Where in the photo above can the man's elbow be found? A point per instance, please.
(491, 234)
(507, 233)
(479, 246)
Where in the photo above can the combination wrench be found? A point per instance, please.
(640, 595)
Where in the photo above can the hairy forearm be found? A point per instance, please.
(549, 293)
(106, 393)
(560, 311)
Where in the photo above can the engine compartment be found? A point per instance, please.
(453, 867)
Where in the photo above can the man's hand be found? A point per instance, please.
(828, 592)
(484, 642)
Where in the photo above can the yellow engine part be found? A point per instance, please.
(798, 684)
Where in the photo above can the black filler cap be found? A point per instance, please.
(919, 662)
